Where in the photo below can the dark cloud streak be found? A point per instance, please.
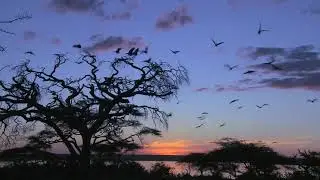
(97, 7)
(113, 42)
(300, 67)
(63, 6)
(176, 18)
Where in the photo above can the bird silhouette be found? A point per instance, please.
(118, 50)
(233, 101)
(260, 30)
(223, 124)
(276, 67)
(174, 52)
(230, 67)
(270, 62)
(262, 106)
(240, 107)
(201, 117)
(217, 44)
(145, 51)
(274, 142)
(249, 72)
(130, 52)
(77, 46)
(29, 52)
(312, 100)
(2, 49)
(6, 66)
(135, 52)
(204, 113)
(147, 61)
(200, 125)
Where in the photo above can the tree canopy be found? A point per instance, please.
(91, 112)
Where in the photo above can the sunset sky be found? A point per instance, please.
(188, 26)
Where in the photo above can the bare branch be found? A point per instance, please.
(94, 106)
(19, 18)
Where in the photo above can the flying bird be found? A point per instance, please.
(223, 124)
(147, 61)
(217, 44)
(199, 125)
(2, 49)
(145, 51)
(230, 67)
(270, 62)
(276, 67)
(118, 50)
(233, 101)
(240, 107)
(312, 100)
(6, 66)
(274, 142)
(174, 52)
(260, 30)
(249, 72)
(262, 106)
(77, 46)
(204, 113)
(29, 52)
(201, 117)
(130, 52)
(135, 52)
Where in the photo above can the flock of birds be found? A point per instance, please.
(135, 51)
(232, 67)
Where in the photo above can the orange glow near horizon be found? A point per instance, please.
(174, 147)
(182, 147)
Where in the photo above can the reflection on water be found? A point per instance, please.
(176, 167)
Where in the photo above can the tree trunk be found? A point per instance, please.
(85, 157)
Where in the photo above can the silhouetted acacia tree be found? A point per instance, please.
(257, 158)
(10, 21)
(308, 164)
(93, 107)
(195, 161)
(160, 170)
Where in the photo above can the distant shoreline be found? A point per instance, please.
(147, 157)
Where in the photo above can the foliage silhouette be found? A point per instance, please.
(92, 112)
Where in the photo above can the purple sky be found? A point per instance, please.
(188, 26)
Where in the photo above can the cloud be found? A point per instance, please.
(303, 52)
(113, 42)
(312, 9)
(119, 16)
(256, 52)
(64, 6)
(29, 35)
(176, 18)
(237, 88)
(202, 89)
(308, 81)
(97, 7)
(291, 67)
(56, 41)
(96, 37)
(246, 3)
(301, 67)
